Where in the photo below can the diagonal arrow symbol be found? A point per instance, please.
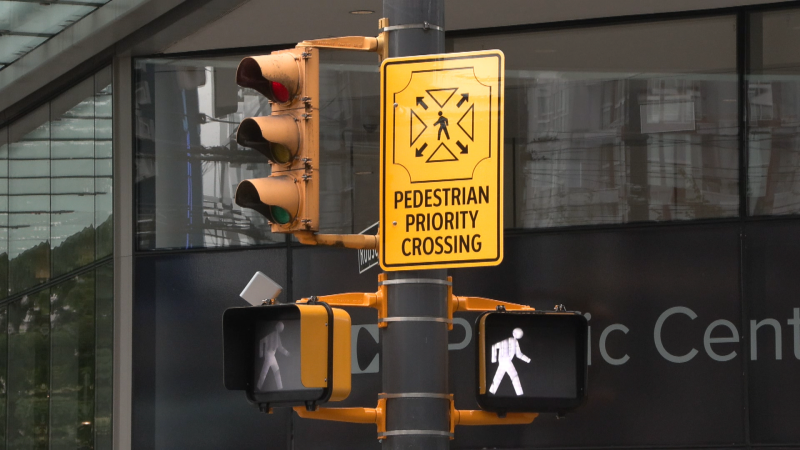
(464, 148)
(421, 103)
(421, 149)
(464, 97)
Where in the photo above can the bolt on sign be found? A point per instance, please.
(442, 161)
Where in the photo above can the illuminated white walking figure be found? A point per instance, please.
(266, 349)
(503, 353)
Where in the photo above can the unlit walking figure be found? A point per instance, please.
(503, 352)
(442, 122)
(266, 349)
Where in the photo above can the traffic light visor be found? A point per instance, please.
(276, 137)
(276, 198)
(276, 76)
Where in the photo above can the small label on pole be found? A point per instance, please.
(368, 258)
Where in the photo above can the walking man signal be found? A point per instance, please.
(266, 349)
(503, 353)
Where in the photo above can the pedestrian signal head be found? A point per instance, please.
(287, 355)
(544, 372)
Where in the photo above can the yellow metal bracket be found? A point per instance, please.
(375, 415)
(359, 241)
(375, 300)
(379, 45)
(383, 39)
(357, 43)
(457, 303)
(475, 417)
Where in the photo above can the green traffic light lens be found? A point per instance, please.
(280, 153)
(280, 215)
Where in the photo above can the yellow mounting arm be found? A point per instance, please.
(359, 241)
(377, 416)
(377, 300)
(472, 417)
(456, 303)
(353, 415)
(357, 43)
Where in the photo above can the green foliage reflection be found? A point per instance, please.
(29, 372)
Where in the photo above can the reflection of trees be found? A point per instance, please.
(104, 364)
(29, 268)
(33, 266)
(59, 365)
(3, 372)
(60, 342)
(28, 372)
(72, 318)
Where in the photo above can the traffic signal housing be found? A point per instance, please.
(531, 361)
(288, 138)
(287, 355)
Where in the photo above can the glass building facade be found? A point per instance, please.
(652, 164)
(188, 163)
(56, 274)
(617, 124)
(773, 100)
(608, 124)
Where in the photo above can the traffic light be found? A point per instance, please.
(287, 355)
(288, 137)
(531, 361)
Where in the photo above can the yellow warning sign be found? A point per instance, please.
(442, 161)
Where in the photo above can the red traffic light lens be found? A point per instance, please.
(279, 92)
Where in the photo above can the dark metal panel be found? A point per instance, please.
(324, 271)
(179, 398)
(772, 290)
(626, 278)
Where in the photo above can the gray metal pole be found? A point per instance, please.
(414, 362)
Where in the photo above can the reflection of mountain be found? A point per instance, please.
(39, 263)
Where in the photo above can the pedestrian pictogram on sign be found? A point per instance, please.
(441, 125)
(441, 161)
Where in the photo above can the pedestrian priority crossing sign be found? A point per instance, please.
(441, 161)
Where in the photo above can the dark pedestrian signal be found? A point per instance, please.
(287, 355)
(531, 361)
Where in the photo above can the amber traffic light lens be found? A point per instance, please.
(283, 128)
(280, 154)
